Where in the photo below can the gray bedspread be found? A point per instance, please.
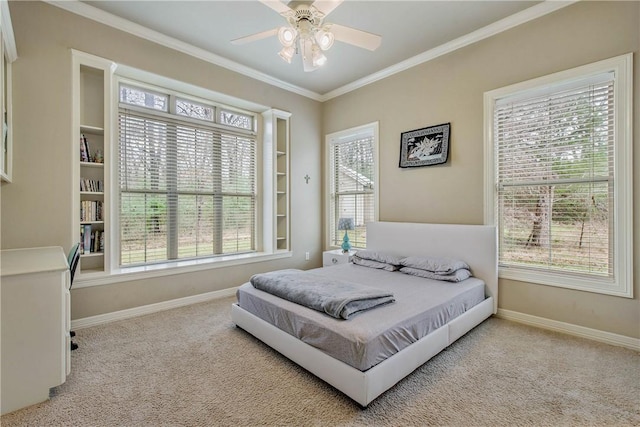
(421, 307)
(337, 298)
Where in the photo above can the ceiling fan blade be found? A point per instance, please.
(326, 6)
(276, 5)
(355, 37)
(254, 37)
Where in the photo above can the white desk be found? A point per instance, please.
(36, 320)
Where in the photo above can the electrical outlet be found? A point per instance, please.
(306, 256)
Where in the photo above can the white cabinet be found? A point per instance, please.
(36, 319)
(336, 257)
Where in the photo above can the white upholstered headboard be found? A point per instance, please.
(474, 244)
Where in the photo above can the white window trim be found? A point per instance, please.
(350, 133)
(622, 283)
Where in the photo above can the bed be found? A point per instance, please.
(364, 369)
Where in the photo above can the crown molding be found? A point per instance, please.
(90, 12)
(95, 14)
(534, 12)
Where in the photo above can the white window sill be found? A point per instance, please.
(171, 268)
(601, 285)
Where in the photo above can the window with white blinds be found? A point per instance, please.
(555, 182)
(187, 185)
(352, 181)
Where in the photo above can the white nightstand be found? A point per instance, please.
(335, 257)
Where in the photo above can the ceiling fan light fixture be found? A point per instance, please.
(318, 57)
(306, 33)
(287, 36)
(325, 39)
(287, 53)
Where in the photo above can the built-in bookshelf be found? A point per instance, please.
(91, 129)
(276, 145)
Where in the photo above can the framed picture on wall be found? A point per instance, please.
(425, 147)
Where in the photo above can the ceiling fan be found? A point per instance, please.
(308, 34)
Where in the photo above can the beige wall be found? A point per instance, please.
(450, 89)
(36, 207)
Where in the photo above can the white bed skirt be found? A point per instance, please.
(363, 387)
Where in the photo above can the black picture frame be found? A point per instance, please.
(425, 147)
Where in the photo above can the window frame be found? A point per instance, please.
(173, 118)
(621, 284)
(143, 79)
(351, 133)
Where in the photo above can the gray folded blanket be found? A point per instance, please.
(338, 298)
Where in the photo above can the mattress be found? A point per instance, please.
(422, 306)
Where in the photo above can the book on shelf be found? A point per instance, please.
(95, 240)
(85, 239)
(90, 210)
(101, 242)
(91, 185)
(85, 154)
(91, 240)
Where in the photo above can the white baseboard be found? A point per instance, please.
(568, 328)
(101, 319)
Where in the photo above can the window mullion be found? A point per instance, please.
(218, 199)
(172, 191)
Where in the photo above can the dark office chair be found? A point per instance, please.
(73, 260)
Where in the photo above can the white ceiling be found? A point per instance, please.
(409, 29)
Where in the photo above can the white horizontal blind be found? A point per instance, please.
(186, 190)
(554, 157)
(352, 188)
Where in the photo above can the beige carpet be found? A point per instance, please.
(192, 367)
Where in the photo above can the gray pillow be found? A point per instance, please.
(378, 256)
(433, 264)
(374, 264)
(457, 276)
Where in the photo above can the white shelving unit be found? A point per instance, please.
(276, 180)
(92, 77)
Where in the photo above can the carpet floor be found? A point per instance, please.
(191, 366)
